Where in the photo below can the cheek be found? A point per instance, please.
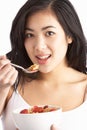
(61, 53)
(60, 44)
(28, 49)
(27, 46)
(60, 50)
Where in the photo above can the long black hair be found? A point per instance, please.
(67, 17)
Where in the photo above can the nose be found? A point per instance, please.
(40, 44)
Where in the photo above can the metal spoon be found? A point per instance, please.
(25, 70)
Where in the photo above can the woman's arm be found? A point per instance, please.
(8, 75)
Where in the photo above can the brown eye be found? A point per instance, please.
(50, 33)
(29, 35)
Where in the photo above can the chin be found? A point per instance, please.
(45, 71)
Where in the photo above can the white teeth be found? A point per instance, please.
(43, 57)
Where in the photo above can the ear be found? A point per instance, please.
(69, 39)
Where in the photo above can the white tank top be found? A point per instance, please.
(75, 119)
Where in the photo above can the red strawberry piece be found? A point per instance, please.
(37, 109)
(40, 109)
(24, 111)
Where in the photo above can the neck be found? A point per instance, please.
(57, 75)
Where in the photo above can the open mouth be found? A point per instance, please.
(43, 59)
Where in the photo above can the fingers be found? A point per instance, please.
(2, 57)
(53, 127)
(3, 61)
(8, 73)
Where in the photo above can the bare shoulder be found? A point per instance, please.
(10, 94)
(77, 76)
(79, 80)
(85, 83)
(83, 79)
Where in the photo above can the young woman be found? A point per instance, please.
(47, 33)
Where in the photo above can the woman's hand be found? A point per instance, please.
(53, 127)
(8, 73)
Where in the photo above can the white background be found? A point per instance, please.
(8, 10)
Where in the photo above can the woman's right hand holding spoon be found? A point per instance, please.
(8, 73)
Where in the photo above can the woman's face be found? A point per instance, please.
(45, 41)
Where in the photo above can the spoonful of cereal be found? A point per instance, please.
(32, 69)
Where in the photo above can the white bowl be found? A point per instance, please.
(36, 121)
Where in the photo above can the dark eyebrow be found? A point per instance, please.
(29, 29)
(44, 28)
(48, 27)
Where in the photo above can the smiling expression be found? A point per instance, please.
(45, 41)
